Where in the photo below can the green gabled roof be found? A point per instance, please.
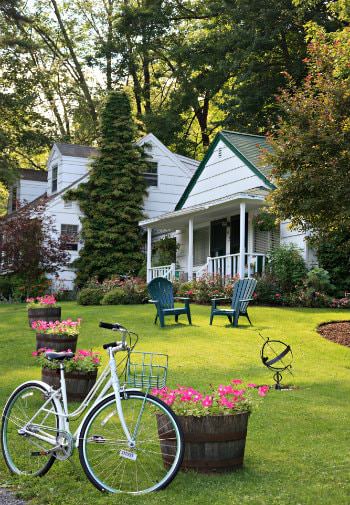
(246, 146)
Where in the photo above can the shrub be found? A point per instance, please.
(90, 296)
(116, 296)
(267, 291)
(319, 280)
(287, 267)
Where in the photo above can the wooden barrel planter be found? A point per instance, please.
(44, 314)
(213, 444)
(57, 342)
(78, 384)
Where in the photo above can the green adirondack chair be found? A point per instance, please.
(162, 295)
(242, 294)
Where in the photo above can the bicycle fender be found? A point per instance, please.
(39, 383)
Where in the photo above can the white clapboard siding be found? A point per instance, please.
(224, 174)
(30, 190)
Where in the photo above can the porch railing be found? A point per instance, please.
(228, 265)
(166, 271)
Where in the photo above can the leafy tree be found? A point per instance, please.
(311, 143)
(29, 245)
(268, 40)
(112, 199)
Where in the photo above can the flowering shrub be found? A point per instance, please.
(341, 303)
(124, 290)
(67, 327)
(83, 361)
(233, 398)
(206, 287)
(41, 302)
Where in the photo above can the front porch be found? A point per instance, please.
(216, 239)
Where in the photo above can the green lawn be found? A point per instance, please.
(298, 441)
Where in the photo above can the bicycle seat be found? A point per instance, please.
(60, 356)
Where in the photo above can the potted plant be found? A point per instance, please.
(44, 308)
(80, 372)
(214, 424)
(58, 335)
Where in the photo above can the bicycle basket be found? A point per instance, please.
(146, 369)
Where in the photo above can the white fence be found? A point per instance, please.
(166, 271)
(228, 265)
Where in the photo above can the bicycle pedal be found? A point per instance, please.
(40, 453)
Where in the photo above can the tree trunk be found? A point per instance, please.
(81, 78)
(202, 118)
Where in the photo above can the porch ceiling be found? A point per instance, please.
(210, 211)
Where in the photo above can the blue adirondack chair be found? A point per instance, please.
(162, 295)
(242, 294)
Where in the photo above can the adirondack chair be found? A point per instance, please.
(161, 292)
(241, 296)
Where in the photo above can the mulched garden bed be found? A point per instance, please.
(336, 331)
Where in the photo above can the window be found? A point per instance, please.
(151, 175)
(69, 233)
(54, 179)
(14, 199)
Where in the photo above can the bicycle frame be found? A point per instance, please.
(103, 384)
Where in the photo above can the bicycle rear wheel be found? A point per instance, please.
(108, 461)
(25, 454)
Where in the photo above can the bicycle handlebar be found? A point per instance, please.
(112, 326)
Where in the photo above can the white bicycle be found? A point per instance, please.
(129, 441)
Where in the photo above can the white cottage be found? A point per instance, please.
(68, 166)
(213, 220)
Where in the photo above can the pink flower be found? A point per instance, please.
(262, 390)
(208, 401)
(251, 385)
(236, 381)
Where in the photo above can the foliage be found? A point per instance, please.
(333, 254)
(116, 296)
(314, 126)
(225, 400)
(341, 303)
(83, 361)
(115, 291)
(164, 251)
(264, 220)
(29, 246)
(319, 280)
(205, 288)
(66, 327)
(112, 199)
(41, 302)
(14, 287)
(286, 266)
(90, 296)
(268, 40)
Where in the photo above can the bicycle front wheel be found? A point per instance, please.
(24, 453)
(108, 460)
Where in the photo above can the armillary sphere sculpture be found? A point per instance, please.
(278, 357)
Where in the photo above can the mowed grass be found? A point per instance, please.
(298, 441)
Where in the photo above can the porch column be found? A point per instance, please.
(242, 208)
(149, 254)
(190, 250)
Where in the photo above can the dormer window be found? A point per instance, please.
(151, 174)
(54, 179)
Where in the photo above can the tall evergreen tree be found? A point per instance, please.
(112, 199)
